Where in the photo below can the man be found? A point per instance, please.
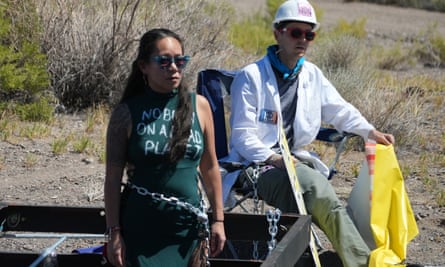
(283, 87)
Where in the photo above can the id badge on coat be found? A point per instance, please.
(268, 116)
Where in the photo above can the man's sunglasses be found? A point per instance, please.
(297, 33)
(165, 62)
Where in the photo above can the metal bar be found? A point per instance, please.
(51, 235)
(234, 263)
(54, 219)
(47, 251)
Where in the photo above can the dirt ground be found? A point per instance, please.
(31, 173)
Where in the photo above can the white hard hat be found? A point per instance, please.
(296, 10)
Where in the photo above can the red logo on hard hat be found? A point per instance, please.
(304, 10)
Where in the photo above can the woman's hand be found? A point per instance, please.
(116, 249)
(217, 238)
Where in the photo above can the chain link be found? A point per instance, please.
(174, 201)
(273, 217)
(255, 253)
(254, 179)
(200, 213)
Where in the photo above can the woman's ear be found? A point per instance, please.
(141, 64)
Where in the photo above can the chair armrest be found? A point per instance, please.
(331, 135)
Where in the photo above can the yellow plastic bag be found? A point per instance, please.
(392, 220)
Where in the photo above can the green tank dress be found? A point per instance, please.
(155, 232)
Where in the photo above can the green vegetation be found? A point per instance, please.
(30, 160)
(22, 65)
(39, 111)
(430, 47)
(253, 34)
(59, 146)
(354, 28)
(82, 144)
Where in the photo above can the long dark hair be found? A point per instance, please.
(182, 120)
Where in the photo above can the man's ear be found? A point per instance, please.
(275, 34)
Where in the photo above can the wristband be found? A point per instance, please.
(113, 229)
(221, 221)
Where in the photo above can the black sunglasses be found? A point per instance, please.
(165, 62)
(297, 33)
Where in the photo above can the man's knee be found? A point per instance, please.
(273, 178)
(274, 187)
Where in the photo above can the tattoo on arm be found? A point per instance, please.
(117, 135)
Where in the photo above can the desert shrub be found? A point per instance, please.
(355, 28)
(36, 111)
(430, 47)
(335, 51)
(385, 105)
(22, 65)
(396, 57)
(341, 48)
(253, 34)
(351, 68)
(90, 44)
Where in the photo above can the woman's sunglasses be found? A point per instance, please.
(165, 62)
(297, 33)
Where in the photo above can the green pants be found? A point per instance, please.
(323, 204)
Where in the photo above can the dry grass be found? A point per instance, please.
(91, 44)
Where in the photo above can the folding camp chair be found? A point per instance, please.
(214, 84)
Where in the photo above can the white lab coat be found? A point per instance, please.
(255, 88)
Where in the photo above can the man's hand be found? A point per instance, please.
(381, 138)
(277, 161)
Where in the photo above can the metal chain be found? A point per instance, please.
(200, 213)
(255, 253)
(256, 200)
(273, 217)
(174, 201)
(205, 234)
(254, 179)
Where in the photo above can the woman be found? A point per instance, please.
(160, 133)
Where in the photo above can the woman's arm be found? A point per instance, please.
(116, 150)
(211, 177)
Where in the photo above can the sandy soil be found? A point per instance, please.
(31, 173)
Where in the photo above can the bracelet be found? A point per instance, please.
(221, 221)
(113, 229)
